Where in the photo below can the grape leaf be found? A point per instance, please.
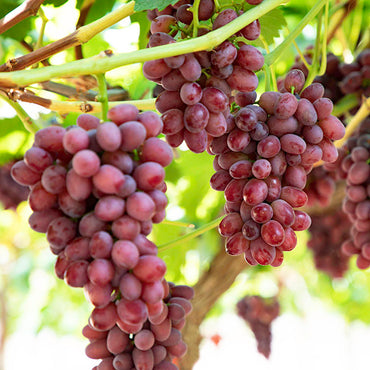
(271, 24)
(144, 24)
(55, 3)
(153, 4)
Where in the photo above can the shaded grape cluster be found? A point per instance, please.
(340, 78)
(11, 193)
(259, 313)
(356, 204)
(327, 233)
(197, 87)
(320, 187)
(262, 164)
(95, 190)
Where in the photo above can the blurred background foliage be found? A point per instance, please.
(34, 298)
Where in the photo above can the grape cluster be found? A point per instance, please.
(11, 193)
(262, 164)
(259, 313)
(154, 346)
(197, 87)
(327, 233)
(95, 190)
(356, 204)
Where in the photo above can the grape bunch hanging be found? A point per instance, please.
(95, 190)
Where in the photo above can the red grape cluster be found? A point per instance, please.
(356, 204)
(327, 234)
(95, 190)
(154, 346)
(197, 87)
(259, 313)
(11, 193)
(262, 164)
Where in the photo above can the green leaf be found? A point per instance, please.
(55, 3)
(144, 24)
(271, 25)
(153, 4)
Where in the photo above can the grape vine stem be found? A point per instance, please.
(28, 123)
(100, 65)
(185, 238)
(63, 107)
(78, 37)
(361, 114)
(279, 51)
(103, 96)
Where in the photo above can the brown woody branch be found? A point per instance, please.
(86, 105)
(212, 284)
(77, 37)
(114, 94)
(40, 54)
(23, 11)
(345, 11)
(86, 6)
(29, 48)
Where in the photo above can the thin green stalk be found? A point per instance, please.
(324, 40)
(279, 51)
(191, 235)
(28, 123)
(40, 39)
(270, 70)
(103, 96)
(356, 120)
(345, 104)
(195, 9)
(217, 6)
(96, 65)
(356, 25)
(316, 54)
(301, 55)
(178, 223)
(267, 71)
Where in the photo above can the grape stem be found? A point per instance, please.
(84, 11)
(361, 114)
(185, 238)
(269, 70)
(178, 223)
(345, 104)
(195, 9)
(318, 66)
(40, 39)
(101, 65)
(339, 14)
(103, 96)
(63, 107)
(279, 51)
(28, 123)
(301, 54)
